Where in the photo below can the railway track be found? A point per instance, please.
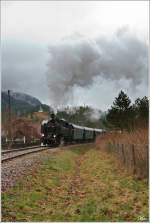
(19, 149)
(8, 155)
(16, 153)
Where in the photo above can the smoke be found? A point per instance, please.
(77, 62)
(93, 114)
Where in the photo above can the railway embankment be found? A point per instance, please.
(80, 183)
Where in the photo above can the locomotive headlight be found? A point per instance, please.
(42, 134)
(54, 136)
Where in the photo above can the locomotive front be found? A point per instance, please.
(50, 131)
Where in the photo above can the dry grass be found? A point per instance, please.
(139, 138)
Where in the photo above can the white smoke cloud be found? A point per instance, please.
(76, 62)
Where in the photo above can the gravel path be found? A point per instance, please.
(13, 170)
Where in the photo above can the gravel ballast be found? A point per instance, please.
(12, 170)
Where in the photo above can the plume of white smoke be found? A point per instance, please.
(93, 114)
(77, 62)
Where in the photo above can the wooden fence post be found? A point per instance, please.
(147, 160)
(118, 149)
(123, 153)
(133, 158)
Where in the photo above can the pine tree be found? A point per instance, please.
(141, 107)
(121, 113)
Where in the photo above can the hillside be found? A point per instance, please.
(21, 103)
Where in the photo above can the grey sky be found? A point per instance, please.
(29, 28)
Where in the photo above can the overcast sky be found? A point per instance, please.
(48, 43)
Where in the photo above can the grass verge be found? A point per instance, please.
(77, 184)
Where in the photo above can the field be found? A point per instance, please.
(79, 183)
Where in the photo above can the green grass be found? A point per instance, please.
(77, 184)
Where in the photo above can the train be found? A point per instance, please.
(60, 132)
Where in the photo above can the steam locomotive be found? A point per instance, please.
(60, 132)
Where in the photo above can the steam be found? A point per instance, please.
(77, 62)
(93, 114)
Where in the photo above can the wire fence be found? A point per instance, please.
(134, 157)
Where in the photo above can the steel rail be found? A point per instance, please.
(23, 154)
(19, 149)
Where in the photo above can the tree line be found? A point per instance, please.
(123, 115)
(82, 115)
(126, 116)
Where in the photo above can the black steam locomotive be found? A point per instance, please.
(59, 132)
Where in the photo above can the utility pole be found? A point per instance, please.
(9, 118)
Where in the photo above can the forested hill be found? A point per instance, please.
(21, 103)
